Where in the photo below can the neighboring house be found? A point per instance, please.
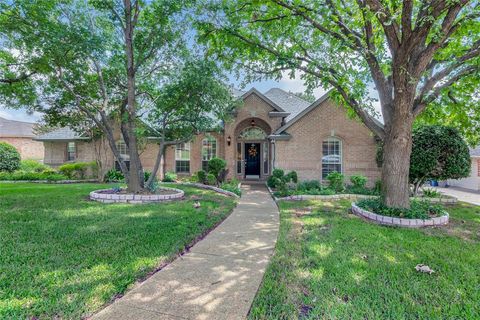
(21, 135)
(473, 181)
(272, 130)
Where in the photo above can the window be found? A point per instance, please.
(331, 156)
(209, 150)
(71, 151)
(123, 150)
(252, 133)
(182, 158)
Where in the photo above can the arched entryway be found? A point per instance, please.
(252, 149)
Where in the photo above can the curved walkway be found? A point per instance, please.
(218, 278)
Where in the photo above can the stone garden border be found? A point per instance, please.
(97, 195)
(401, 222)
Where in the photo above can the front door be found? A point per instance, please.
(252, 159)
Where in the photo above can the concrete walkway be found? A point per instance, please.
(462, 194)
(218, 278)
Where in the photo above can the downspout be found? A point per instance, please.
(274, 154)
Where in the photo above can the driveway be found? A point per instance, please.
(462, 194)
(218, 278)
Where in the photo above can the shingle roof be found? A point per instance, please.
(17, 129)
(287, 101)
(475, 152)
(61, 134)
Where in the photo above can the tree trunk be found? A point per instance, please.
(161, 150)
(396, 159)
(136, 179)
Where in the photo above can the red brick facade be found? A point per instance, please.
(301, 151)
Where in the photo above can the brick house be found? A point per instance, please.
(21, 135)
(471, 182)
(272, 130)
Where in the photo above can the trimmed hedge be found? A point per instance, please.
(79, 170)
(9, 157)
(31, 176)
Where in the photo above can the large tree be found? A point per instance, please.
(102, 62)
(413, 53)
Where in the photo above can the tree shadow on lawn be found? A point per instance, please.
(64, 256)
(350, 268)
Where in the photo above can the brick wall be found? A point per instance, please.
(303, 152)
(27, 147)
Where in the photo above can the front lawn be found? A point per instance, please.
(330, 264)
(63, 256)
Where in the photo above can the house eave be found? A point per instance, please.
(279, 137)
(277, 114)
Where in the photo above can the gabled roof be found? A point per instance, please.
(287, 101)
(264, 98)
(17, 129)
(61, 134)
(303, 112)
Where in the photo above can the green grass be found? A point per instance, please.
(63, 256)
(333, 265)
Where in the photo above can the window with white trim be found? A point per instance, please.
(182, 158)
(209, 150)
(71, 151)
(331, 156)
(124, 155)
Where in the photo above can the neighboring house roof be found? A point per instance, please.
(475, 152)
(287, 101)
(61, 134)
(17, 129)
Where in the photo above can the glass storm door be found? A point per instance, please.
(252, 159)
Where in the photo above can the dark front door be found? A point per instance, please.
(252, 159)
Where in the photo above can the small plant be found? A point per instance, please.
(418, 209)
(202, 176)
(216, 167)
(170, 177)
(9, 157)
(232, 186)
(431, 193)
(291, 177)
(309, 185)
(146, 175)
(32, 166)
(336, 181)
(278, 173)
(153, 187)
(113, 175)
(378, 187)
(211, 179)
(358, 181)
(78, 170)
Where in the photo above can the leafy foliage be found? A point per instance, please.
(211, 179)
(358, 181)
(217, 167)
(113, 175)
(438, 153)
(336, 181)
(32, 166)
(79, 170)
(170, 177)
(418, 209)
(232, 186)
(9, 157)
(19, 175)
(202, 176)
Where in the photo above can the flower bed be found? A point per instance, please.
(401, 222)
(119, 196)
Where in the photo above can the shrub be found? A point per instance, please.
(113, 175)
(336, 181)
(202, 176)
(146, 175)
(309, 185)
(31, 176)
(438, 153)
(278, 173)
(78, 170)
(431, 193)
(232, 186)
(211, 179)
(32, 166)
(378, 187)
(170, 177)
(418, 209)
(9, 157)
(216, 166)
(291, 177)
(358, 181)
(274, 182)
